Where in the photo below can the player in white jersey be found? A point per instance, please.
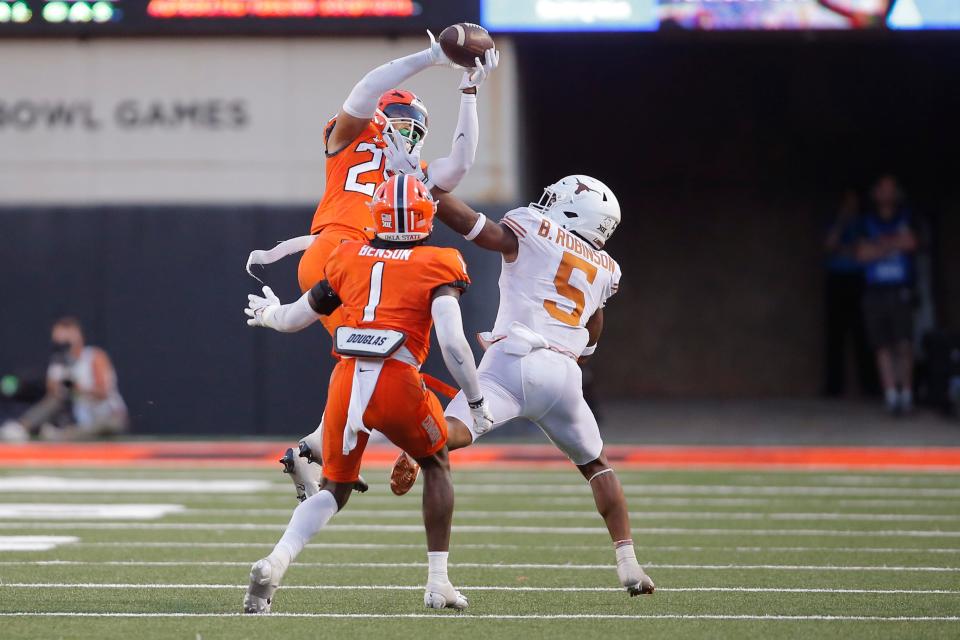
(554, 282)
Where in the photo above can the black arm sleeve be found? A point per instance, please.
(323, 299)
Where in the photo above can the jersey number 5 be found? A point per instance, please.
(567, 290)
(353, 174)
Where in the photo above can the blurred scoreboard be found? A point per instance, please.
(212, 17)
(522, 16)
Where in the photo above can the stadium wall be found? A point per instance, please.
(163, 290)
(213, 120)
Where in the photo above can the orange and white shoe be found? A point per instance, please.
(404, 474)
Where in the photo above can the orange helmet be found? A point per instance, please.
(402, 210)
(407, 114)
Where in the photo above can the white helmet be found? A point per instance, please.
(583, 205)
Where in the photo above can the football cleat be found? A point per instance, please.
(305, 476)
(444, 596)
(264, 580)
(404, 474)
(306, 470)
(634, 579)
(306, 451)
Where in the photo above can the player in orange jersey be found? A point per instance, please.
(355, 165)
(390, 291)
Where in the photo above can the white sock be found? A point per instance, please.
(625, 552)
(308, 518)
(437, 573)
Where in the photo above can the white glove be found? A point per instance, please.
(440, 59)
(399, 159)
(482, 418)
(261, 310)
(473, 78)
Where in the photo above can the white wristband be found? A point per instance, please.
(588, 351)
(477, 227)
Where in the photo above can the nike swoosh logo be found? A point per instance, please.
(459, 136)
(365, 370)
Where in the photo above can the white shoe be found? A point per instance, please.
(12, 431)
(265, 577)
(305, 475)
(444, 596)
(634, 579)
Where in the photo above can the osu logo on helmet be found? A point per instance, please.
(402, 210)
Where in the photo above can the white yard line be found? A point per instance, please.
(487, 616)
(56, 484)
(713, 489)
(471, 514)
(114, 484)
(407, 587)
(34, 543)
(69, 511)
(566, 548)
(288, 502)
(477, 565)
(418, 528)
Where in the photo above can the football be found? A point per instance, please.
(464, 42)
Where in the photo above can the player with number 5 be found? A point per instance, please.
(555, 280)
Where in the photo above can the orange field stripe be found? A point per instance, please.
(265, 453)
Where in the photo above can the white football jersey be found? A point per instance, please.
(556, 284)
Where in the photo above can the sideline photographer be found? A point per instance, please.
(82, 400)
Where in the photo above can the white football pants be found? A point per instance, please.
(544, 387)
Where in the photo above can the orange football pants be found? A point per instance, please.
(401, 407)
(313, 263)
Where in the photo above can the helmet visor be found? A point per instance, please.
(409, 121)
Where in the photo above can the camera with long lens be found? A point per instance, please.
(60, 363)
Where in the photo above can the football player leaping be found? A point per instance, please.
(389, 292)
(554, 282)
(355, 166)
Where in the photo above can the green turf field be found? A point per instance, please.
(734, 554)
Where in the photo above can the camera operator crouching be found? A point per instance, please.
(82, 400)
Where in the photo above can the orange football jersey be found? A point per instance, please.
(393, 288)
(352, 175)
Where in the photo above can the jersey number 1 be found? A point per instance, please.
(568, 263)
(353, 174)
(376, 285)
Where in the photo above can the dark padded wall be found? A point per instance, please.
(727, 153)
(163, 289)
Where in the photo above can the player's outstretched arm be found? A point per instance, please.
(267, 311)
(457, 215)
(447, 172)
(457, 355)
(361, 104)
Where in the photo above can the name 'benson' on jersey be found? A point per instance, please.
(556, 283)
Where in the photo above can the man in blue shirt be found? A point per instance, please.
(886, 250)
